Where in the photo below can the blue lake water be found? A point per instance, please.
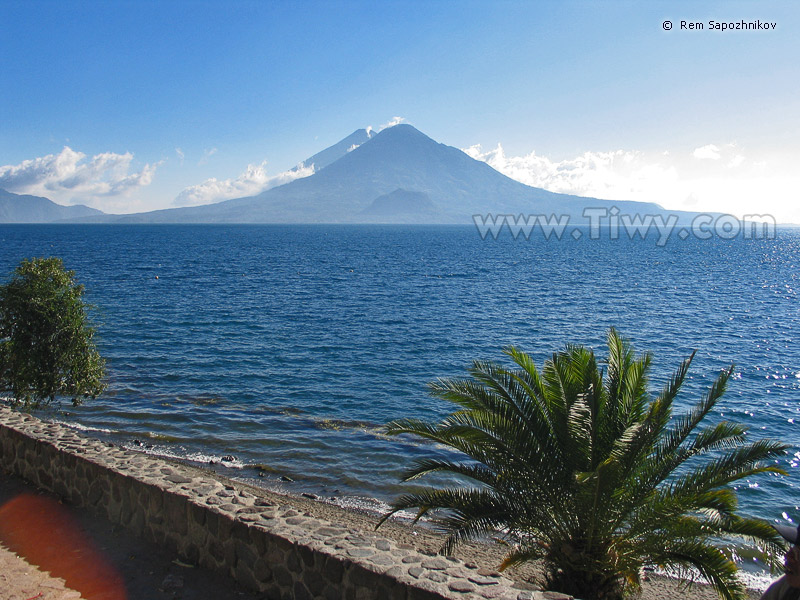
(288, 347)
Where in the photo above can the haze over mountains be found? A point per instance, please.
(398, 175)
(23, 208)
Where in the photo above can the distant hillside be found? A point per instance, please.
(361, 169)
(400, 204)
(18, 208)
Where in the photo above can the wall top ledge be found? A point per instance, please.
(208, 493)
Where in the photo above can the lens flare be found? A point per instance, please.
(42, 531)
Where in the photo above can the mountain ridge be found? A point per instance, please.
(399, 157)
(354, 179)
(333, 153)
(26, 208)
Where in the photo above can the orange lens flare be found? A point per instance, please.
(44, 533)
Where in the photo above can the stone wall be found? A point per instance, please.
(221, 525)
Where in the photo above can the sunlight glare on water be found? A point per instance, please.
(288, 347)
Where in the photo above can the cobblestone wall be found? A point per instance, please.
(221, 525)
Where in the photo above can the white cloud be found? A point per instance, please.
(253, 181)
(391, 123)
(68, 178)
(736, 161)
(621, 175)
(727, 154)
(709, 152)
(730, 182)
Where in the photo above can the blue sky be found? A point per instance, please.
(127, 105)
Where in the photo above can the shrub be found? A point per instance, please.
(46, 343)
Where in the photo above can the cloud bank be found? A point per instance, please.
(253, 181)
(712, 177)
(67, 177)
(617, 175)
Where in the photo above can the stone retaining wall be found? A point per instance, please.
(220, 525)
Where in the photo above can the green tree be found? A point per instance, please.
(46, 343)
(580, 467)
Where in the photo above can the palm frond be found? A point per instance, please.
(578, 465)
(712, 564)
(521, 555)
(477, 472)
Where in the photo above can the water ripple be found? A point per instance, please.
(288, 346)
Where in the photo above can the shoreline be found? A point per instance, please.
(485, 555)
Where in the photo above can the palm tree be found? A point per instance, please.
(581, 468)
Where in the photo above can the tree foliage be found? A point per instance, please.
(46, 343)
(579, 466)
